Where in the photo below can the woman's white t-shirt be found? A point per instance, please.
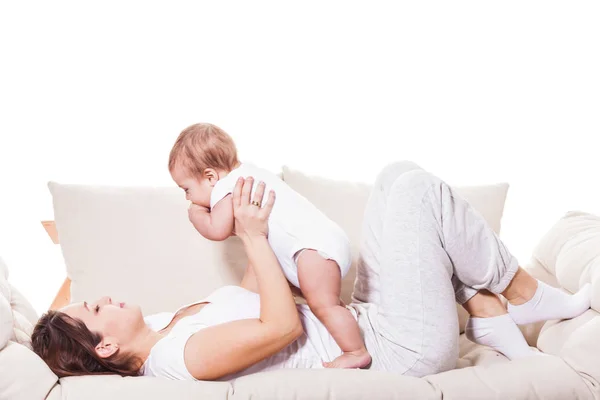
(231, 303)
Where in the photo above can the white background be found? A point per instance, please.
(476, 92)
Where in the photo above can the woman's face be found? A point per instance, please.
(116, 320)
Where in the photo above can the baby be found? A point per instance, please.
(313, 251)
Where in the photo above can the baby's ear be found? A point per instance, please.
(211, 175)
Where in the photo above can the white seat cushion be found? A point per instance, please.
(23, 375)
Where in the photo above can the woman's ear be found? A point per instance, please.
(211, 175)
(107, 347)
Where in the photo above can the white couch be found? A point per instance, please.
(142, 236)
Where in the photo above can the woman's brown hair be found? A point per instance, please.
(69, 348)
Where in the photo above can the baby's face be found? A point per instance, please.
(197, 190)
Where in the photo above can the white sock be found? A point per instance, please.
(551, 303)
(500, 333)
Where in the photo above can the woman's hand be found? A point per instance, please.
(251, 220)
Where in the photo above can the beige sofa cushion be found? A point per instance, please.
(533, 378)
(23, 375)
(547, 378)
(137, 245)
(571, 249)
(313, 384)
(143, 387)
(17, 316)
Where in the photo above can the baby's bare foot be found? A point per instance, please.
(356, 359)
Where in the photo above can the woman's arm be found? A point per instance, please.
(231, 347)
(249, 281)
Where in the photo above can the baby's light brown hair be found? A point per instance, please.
(202, 146)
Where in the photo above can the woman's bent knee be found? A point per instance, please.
(392, 171)
(415, 184)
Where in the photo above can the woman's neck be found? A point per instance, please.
(147, 338)
(144, 343)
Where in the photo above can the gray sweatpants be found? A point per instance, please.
(423, 249)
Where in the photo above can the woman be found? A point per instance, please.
(423, 249)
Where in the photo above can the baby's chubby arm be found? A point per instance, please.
(216, 224)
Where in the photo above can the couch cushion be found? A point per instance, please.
(533, 378)
(143, 387)
(137, 245)
(538, 377)
(316, 384)
(23, 375)
(299, 384)
(17, 316)
(571, 250)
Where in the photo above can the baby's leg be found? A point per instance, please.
(320, 282)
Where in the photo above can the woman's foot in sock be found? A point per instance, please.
(500, 333)
(551, 303)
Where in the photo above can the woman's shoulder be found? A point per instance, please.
(166, 357)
